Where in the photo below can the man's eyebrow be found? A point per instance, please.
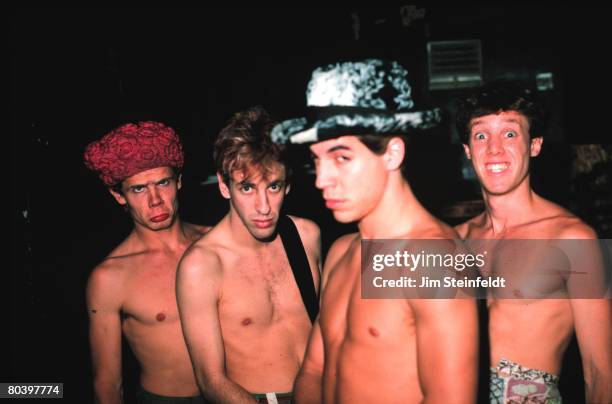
(169, 178)
(476, 123)
(245, 182)
(152, 182)
(338, 147)
(505, 120)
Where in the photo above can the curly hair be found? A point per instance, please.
(500, 96)
(245, 143)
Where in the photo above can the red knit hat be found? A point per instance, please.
(131, 149)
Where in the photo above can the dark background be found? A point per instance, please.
(75, 74)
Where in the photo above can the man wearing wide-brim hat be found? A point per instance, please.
(389, 350)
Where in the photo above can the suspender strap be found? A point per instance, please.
(299, 264)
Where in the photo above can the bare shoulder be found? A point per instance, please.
(465, 229)
(201, 258)
(339, 248)
(574, 228)
(107, 279)
(111, 270)
(117, 263)
(563, 224)
(309, 230)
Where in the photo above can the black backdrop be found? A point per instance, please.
(77, 73)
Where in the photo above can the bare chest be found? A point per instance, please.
(531, 269)
(259, 290)
(345, 315)
(149, 293)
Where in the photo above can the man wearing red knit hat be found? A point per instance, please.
(133, 289)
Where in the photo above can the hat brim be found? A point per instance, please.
(352, 121)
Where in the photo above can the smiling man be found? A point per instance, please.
(502, 130)
(247, 290)
(376, 350)
(133, 289)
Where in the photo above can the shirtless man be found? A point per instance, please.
(243, 316)
(379, 350)
(133, 289)
(501, 127)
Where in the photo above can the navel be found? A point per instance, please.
(517, 293)
(160, 317)
(246, 321)
(373, 331)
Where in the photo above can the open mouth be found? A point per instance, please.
(496, 168)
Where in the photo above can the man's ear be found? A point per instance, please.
(394, 154)
(536, 146)
(466, 149)
(287, 189)
(179, 183)
(118, 197)
(223, 187)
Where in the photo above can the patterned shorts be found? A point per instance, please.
(511, 383)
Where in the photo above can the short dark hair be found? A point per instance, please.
(500, 96)
(377, 144)
(245, 142)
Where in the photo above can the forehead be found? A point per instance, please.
(151, 175)
(271, 171)
(351, 143)
(502, 118)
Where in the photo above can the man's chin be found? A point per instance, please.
(343, 216)
(160, 226)
(264, 235)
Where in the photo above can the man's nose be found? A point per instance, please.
(494, 146)
(154, 197)
(263, 203)
(325, 175)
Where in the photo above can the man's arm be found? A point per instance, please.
(447, 349)
(198, 285)
(592, 321)
(308, 383)
(592, 317)
(103, 307)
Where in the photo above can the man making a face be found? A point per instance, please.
(133, 289)
(529, 329)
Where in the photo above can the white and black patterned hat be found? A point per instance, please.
(356, 98)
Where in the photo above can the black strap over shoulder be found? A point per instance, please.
(299, 264)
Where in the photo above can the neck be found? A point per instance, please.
(510, 209)
(398, 212)
(171, 238)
